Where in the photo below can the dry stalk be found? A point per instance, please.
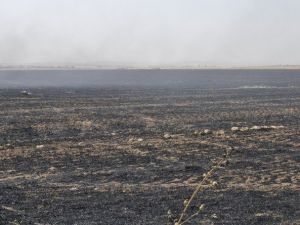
(201, 186)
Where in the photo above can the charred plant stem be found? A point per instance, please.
(198, 188)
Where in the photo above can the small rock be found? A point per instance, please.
(79, 168)
(265, 128)
(207, 131)
(255, 128)
(52, 168)
(9, 146)
(73, 189)
(277, 127)
(214, 216)
(140, 139)
(40, 146)
(243, 129)
(167, 136)
(262, 215)
(81, 144)
(113, 134)
(220, 132)
(235, 129)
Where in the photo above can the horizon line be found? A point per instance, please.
(6, 66)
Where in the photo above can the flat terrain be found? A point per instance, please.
(99, 155)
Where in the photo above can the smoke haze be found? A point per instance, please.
(143, 32)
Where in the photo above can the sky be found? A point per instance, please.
(150, 32)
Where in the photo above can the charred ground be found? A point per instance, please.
(99, 156)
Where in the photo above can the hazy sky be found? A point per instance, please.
(230, 32)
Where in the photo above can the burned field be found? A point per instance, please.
(128, 155)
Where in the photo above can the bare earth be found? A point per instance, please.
(99, 156)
